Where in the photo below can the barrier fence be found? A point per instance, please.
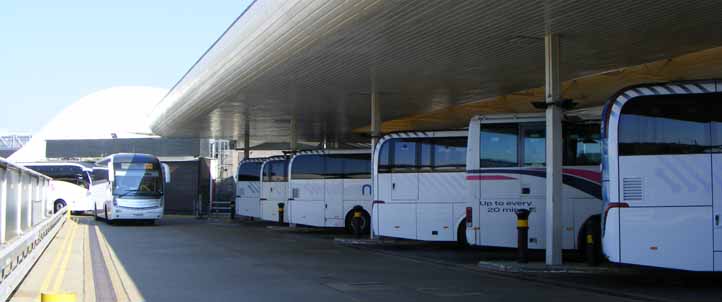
(26, 223)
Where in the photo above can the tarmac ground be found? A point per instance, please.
(187, 259)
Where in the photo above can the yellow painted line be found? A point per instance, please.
(56, 260)
(66, 258)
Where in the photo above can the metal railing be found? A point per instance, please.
(26, 223)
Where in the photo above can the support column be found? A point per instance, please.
(19, 202)
(292, 135)
(28, 188)
(553, 152)
(375, 115)
(44, 198)
(3, 204)
(375, 129)
(247, 139)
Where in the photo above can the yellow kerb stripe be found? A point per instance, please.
(58, 256)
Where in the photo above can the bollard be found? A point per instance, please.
(356, 221)
(280, 212)
(65, 297)
(233, 210)
(522, 228)
(591, 252)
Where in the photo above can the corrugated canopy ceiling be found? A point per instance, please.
(435, 63)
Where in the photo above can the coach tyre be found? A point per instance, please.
(591, 240)
(461, 234)
(59, 205)
(280, 212)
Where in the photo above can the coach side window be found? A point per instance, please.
(404, 156)
(357, 166)
(534, 144)
(498, 145)
(334, 167)
(279, 171)
(449, 154)
(308, 167)
(100, 176)
(582, 144)
(249, 172)
(668, 124)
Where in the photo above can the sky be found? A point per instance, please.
(54, 52)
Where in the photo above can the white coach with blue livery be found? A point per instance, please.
(327, 184)
(506, 172)
(129, 186)
(248, 187)
(419, 187)
(70, 185)
(274, 187)
(663, 176)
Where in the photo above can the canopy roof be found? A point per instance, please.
(434, 63)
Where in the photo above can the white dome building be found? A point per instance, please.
(118, 112)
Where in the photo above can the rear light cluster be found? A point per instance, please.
(613, 205)
(469, 217)
(608, 207)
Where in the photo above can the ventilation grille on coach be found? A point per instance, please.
(632, 189)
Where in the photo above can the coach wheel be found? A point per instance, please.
(107, 218)
(596, 237)
(461, 234)
(365, 222)
(59, 205)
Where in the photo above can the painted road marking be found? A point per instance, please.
(56, 261)
(66, 258)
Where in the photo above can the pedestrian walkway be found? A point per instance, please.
(78, 262)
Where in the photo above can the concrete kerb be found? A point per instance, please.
(540, 267)
(297, 229)
(376, 242)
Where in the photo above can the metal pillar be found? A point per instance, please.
(44, 198)
(19, 205)
(28, 202)
(3, 203)
(553, 152)
(375, 127)
(247, 139)
(292, 135)
(375, 115)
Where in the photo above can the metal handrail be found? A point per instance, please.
(26, 225)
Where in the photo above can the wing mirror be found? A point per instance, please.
(111, 173)
(166, 173)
